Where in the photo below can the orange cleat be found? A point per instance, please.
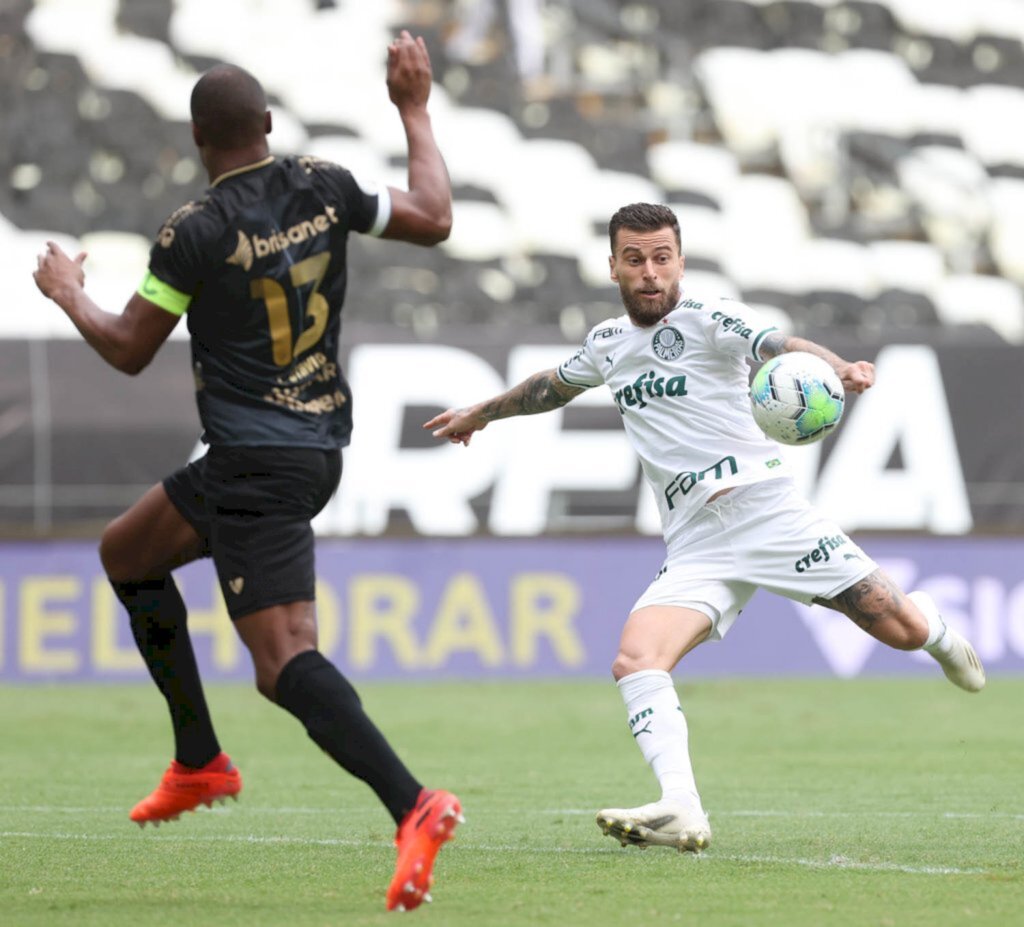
(420, 835)
(183, 788)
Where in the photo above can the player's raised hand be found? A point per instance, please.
(457, 425)
(56, 271)
(409, 72)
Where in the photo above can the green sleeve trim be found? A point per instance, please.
(561, 376)
(163, 295)
(755, 348)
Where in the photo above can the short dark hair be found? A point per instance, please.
(643, 217)
(229, 107)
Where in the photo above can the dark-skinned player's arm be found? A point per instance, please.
(541, 392)
(127, 341)
(423, 213)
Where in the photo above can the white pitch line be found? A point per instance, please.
(742, 813)
(485, 810)
(834, 862)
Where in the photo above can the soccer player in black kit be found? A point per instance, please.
(258, 266)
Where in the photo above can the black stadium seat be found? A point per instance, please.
(624, 109)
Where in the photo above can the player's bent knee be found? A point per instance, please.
(115, 555)
(266, 685)
(626, 664)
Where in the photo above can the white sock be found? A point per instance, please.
(657, 723)
(939, 643)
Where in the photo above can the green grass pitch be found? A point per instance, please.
(868, 802)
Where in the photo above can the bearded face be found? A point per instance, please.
(648, 268)
(649, 304)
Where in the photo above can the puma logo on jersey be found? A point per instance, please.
(250, 248)
(236, 585)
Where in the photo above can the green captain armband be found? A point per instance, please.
(163, 295)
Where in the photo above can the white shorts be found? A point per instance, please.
(765, 535)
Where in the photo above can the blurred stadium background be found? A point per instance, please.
(854, 169)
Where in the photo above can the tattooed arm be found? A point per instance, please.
(541, 392)
(856, 376)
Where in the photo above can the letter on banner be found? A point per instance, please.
(906, 408)
(541, 457)
(434, 485)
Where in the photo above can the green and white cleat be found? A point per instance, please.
(662, 823)
(952, 651)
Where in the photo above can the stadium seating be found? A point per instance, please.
(841, 162)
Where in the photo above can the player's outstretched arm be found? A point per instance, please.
(541, 392)
(856, 376)
(127, 341)
(423, 214)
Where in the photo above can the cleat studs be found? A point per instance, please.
(418, 868)
(399, 907)
(409, 888)
(461, 818)
(623, 843)
(427, 897)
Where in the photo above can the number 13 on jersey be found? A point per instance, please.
(275, 298)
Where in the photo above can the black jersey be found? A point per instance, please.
(259, 264)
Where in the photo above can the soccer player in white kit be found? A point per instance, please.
(676, 366)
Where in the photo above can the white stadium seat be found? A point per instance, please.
(480, 232)
(832, 264)
(693, 166)
(765, 224)
(948, 185)
(546, 195)
(611, 189)
(702, 230)
(350, 152)
(773, 315)
(990, 111)
(743, 97)
(951, 20)
(915, 266)
(977, 299)
(1006, 235)
(481, 146)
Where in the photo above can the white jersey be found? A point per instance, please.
(682, 389)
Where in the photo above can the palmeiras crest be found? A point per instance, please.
(668, 343)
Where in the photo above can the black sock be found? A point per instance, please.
(158, 620)
(313, 690)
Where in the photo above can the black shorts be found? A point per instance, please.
(252, 508)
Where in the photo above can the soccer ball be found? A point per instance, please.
(796, 398)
